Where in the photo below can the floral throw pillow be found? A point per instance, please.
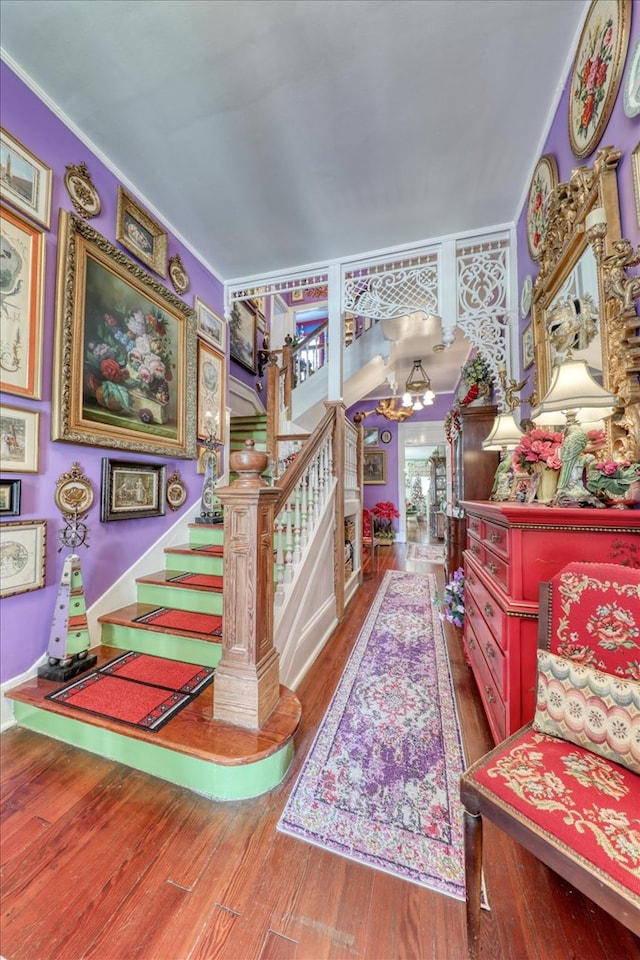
(594, 710)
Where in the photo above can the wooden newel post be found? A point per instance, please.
(247, 679)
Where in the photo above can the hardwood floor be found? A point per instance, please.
(105, 863)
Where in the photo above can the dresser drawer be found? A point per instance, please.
(489, 646)
(496, 538)
(496, 568)
(493, 703)
(474, 526)
(491, 611)
(475, 546)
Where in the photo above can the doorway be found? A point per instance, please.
(418, 442)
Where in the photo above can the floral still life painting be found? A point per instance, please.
(597, 72)
(126, 367)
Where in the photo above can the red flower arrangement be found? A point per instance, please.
(384, 513)
(538, 446)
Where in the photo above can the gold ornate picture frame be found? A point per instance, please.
(597, 72)
(374, 466)
(124, 354)
(584, 224)
(140, 233)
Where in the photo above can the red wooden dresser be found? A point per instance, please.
(510, 549)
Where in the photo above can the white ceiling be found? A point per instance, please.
(271, 134)
(275, 133)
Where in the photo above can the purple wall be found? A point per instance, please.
(113, 547)
(621, 132)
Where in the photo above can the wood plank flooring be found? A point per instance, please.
(100, 862)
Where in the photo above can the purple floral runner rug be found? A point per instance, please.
(381, 782)
(433, 553)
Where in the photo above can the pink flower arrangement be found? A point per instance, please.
(538, 446)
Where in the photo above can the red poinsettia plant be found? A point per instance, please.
(384, 513)
(538, 446)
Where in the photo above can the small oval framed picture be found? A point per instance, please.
(386, 436)
(176, 491)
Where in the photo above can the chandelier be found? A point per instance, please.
(418, 392)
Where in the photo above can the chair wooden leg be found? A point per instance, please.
(473, 875)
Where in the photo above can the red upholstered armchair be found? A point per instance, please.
(567, 785)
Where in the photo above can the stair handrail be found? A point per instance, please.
(291, 476)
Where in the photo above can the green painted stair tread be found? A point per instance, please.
(203, 549)
(130, 616)
(186, 581)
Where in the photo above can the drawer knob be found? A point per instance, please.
(488, 609)
(470, 578)
(492, 566)
(490, 696)
(475, 549)
(494, 537)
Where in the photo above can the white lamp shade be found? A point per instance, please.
(505, 434)
(574, 389)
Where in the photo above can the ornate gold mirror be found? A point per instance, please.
(583, 301)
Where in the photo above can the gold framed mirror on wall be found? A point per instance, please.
(583, 300)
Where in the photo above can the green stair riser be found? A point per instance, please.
(206, 653)
(194, 563)
(196, 601)
(202, 535)
(217, 781)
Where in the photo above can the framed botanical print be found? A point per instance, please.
(545, 178)
(211, 327)
(211, 392)
(131, 490)
(21, 286)
(374, 468)
(19, 436)
(597, 72)
(527, 347)
(243, 331)
(125, 351)
(23, 555)
(26, 180)
(140, 233)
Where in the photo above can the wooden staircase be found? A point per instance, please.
(210, 757)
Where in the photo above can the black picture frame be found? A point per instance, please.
(10, 496)
(132, 490)
(386, 436)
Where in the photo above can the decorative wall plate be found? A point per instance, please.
(545, 177)
(386, 436)
(525, 296)
(73, 493)
(597, 72)
(632, 84)
(176, 491)
(178, 274)
(84, 195)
